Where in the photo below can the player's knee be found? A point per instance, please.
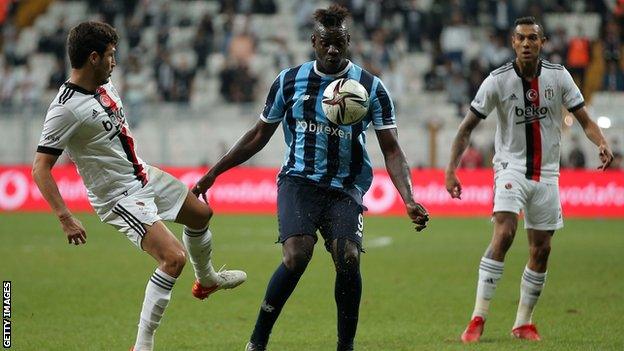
(541, 252)
(174, 261)
(348, 261)
(297, 260)
(505, 235)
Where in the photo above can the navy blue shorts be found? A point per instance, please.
(304, 207)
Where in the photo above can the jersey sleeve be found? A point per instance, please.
(382, 108)
(59, 126)
(274, 107)
(572, 98)
(485, 100)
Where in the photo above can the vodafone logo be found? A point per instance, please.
(13, 189)
(381, 195)
(531, 95)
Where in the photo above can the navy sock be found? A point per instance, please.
(348, 291)
(281, 285)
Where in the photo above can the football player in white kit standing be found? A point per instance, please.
(528, 95)
(87, 120)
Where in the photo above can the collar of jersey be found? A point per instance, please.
(78, 88)
(344, 70)
(517, 69)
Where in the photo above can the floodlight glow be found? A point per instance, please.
(604, 122)
(568, 120)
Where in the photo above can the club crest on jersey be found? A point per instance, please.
(549, 93)
(531, 95)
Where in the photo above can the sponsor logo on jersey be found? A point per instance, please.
(513, 97)
(95, 113)
(321, 128)
(531, 113)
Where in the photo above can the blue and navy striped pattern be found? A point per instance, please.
(161, 280)
(319, 150)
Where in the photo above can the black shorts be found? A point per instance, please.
(304, 207)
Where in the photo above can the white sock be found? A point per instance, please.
(531, 287)
(490, 272)
(198, 244)
(157, 296)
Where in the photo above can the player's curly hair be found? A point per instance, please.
(333, 16)
(87, 37)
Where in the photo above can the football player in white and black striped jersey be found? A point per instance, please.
(86, 119)
(528, 95)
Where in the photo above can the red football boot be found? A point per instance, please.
(473, 330)
(526, 332)
(226, 280)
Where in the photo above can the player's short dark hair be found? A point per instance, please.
(530, 20)
(87, 37)
(333, 16)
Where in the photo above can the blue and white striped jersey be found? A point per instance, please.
(318, 150)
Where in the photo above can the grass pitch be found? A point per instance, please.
(418, 288)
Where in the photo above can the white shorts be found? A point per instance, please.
(160, 199)
(539, 201)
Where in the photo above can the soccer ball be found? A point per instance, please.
(345, 101)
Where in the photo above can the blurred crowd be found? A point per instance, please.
(464, 40)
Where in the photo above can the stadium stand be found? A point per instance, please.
(193, 74)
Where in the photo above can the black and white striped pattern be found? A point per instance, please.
(504, 68)
(194, 233)
(162, 280)
(129, 218)
(534, 277)
(66, 95)
(491, 266)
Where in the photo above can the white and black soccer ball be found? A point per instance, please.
(345, 101)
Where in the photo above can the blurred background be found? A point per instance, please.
(193, 75)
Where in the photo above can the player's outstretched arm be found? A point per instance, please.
(248, 145)
(42, 175)
(460, 143)
(399, 171)
(593, 133)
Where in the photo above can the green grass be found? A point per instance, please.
(418, 291)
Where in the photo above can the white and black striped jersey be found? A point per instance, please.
(91, 127)
(528, 132)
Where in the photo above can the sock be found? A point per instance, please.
(281, 285)
(490, 272)
(157, 296)
(347, 292)
(531, 287)
(198, 244)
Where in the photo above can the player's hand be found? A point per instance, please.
(73, 229)
(418, 214)
(453, 186)
(203, 185)
(606, 156)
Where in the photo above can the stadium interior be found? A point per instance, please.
(194, 74)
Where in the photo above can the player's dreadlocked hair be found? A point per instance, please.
(529, 20)
(333, 16)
